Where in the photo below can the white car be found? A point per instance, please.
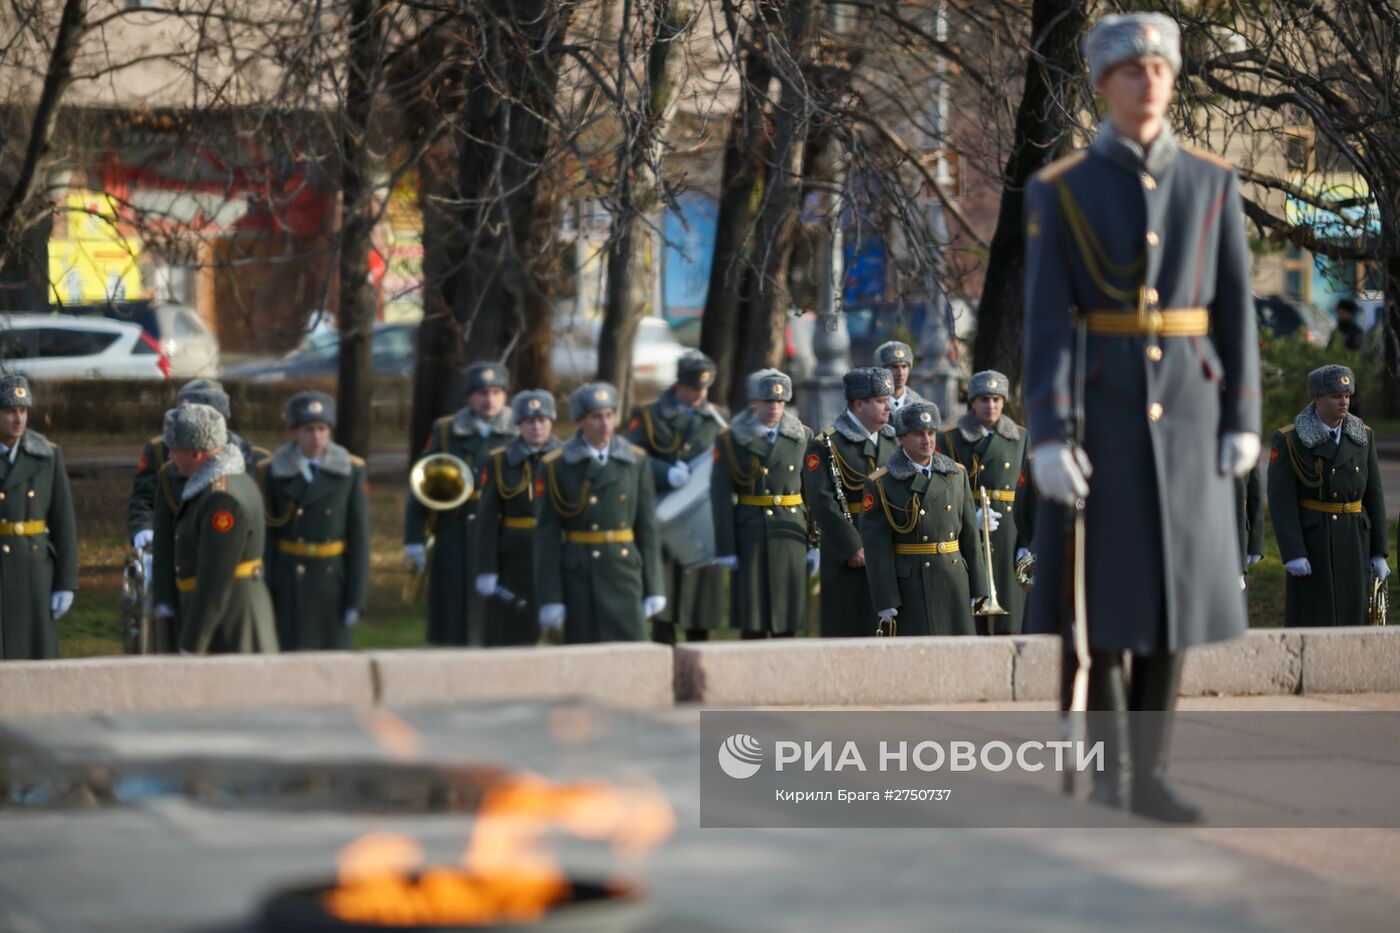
(60, 346)
(574, 357)
(179, 330)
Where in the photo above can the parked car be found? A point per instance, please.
(574, 356)
(392, 353)
(183, 336)
(1283, 316)
(60, 346)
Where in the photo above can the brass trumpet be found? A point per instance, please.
(441, 482)
(989, 606)
(1376, 608)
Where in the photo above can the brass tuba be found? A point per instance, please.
(441, 482)
(989, 606)
(1377, 606)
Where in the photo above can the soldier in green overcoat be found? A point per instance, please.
(898, 357)
(38, 533)
(919, 527)
(597, 552)
(483, 424)
(834, 470)
(219, 541)
(506, 523)
(762, 532)
(992, 448)
(317, 502)
(1328, 509)
(675, 430)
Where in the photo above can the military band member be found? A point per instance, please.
(858, 441)
(1141, 241)
(762, 533)
(38, 532)
(597, 552)
(506, 522)
(1328, 509)
(898, 358)
(674, 430)
(992, 448)
(317, 503)
(1249, 516)
(483, 424)
(219, 541)
(919, 527)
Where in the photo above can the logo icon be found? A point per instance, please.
(740, 756)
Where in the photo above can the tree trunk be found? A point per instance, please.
(1042, 125)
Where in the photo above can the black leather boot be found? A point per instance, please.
(1152, 697)
(1108, 723)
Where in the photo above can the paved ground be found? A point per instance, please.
(150, 860)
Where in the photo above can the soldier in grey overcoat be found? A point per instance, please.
(838, 460)
(1328, 507)
(1141, 242)
(38, 532)
(898, 357)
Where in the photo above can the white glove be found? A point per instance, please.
(1251, 559)
(1022, 552)
(351, 617)
(652, 605)
(887, 614)
(1239, 452)
(728, 563)
(142, 538)
(678, 474)
(991, 519)
(60, 602)
(1243, 585)
(164, 612)
(552, 616)
(814, 560)
(1378, 567)
(486, 583)
(416, 555)
(976, 600)
(1298, 567)
(1061, 472)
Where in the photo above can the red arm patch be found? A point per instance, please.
(867, 503)
(222, 522)
(142, 464)
(813, 461)
(539, 486)
(635, 423)
(1273, 455)
(1021, 483)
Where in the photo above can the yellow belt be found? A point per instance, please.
(308, 549)
(20, 529)
(938, 547)
(248, 568)
(599, 537)
(1333, 508)
(795, 499)
(1002, 495)
(518, 522)
(1176, 322)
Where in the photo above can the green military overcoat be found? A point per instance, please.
(761, 518)
(506, 547)
(670, 431)
(454, 609)
(317, 553)
(38, 547)
(844, 450)
(220, 535)
(1326, 503)
(903, 509)
(996, 461)
(596, 545)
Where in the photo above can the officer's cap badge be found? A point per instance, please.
(704, 377)
(314, 407)
(1150, 35)
(898, 354)
(600, 395)
(534, 404)
(488, 374)
(1346, 381)
(925, 417)
(991, 383)
(778, 389)
(21, 392)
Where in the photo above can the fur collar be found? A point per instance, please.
(227, 462)
(517, 451)
(746, 427)
(1312, 432)
(669, 406)
(971, 428)
(852, 430)
(1116, 148)
(466, 422)
(901, 467)
(576, 450)
(35, 444)
(287, 460)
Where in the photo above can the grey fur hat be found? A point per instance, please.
(590, 397)
(868, 382)
(1119, 37)
(310, 407)
(1329, 379)
(14, 392)
(194, 426)
(917, 416)
(533, 403)
(205, 392)
(695, 370)
(988, 382)
(485, 376)
(894, 351)
(769, 385)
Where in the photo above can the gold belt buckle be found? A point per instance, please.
(777, 500)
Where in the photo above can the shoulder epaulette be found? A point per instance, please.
(878, 473)
(639, 451)
(1366, 426)
(165, 468)
(1210, 157)
(1285, 429)
(1060, 166)
(357, 461)
(496, 450)
(553, 455)
(220, 484)
(960, 466)
(157, 440)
